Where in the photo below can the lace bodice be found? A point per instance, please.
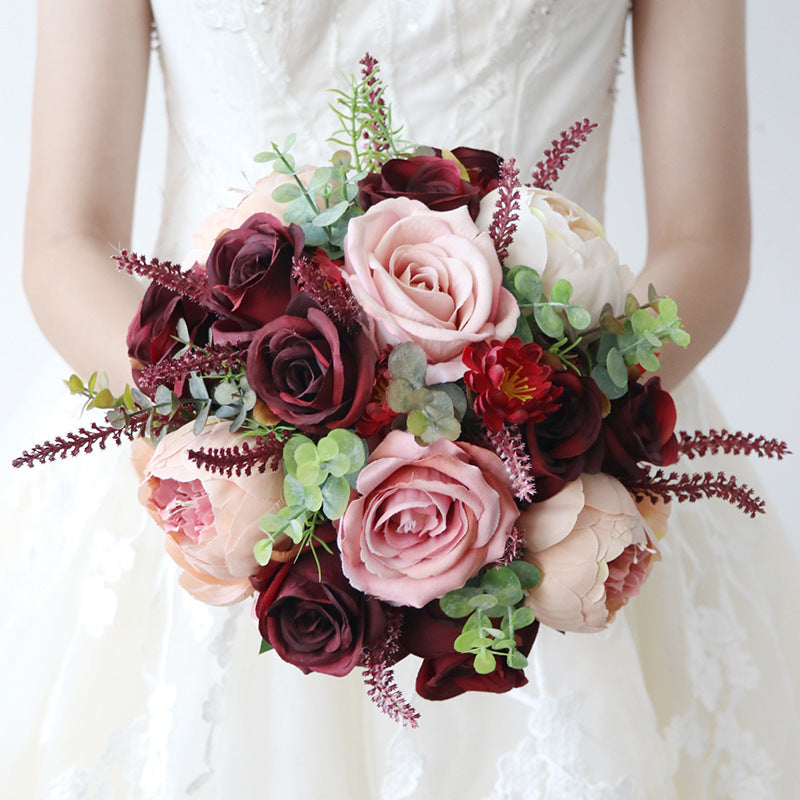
(505, 75)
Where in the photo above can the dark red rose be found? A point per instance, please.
(313, 617)
(435, 181)
(249, 272)
(152, 332)
(566, 442)
(640, 427)
(310, 371)
(444, 673)
(483, 167)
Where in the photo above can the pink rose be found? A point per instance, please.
(594, 550)
(211, 521)
(426, 520)
(429, 277)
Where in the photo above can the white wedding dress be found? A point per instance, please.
(116, 684)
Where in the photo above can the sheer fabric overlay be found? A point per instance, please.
(119, 685)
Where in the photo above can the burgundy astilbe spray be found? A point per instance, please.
(265, 451)
(84, 440)
(699, 444)
(322, 279)
(556, 157)
(509, 445)
(506, 212)
(210, 360)
(377, 662)
(190, 283)
(690, 488)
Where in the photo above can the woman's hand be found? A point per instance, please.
(89, 92)
(689, 61)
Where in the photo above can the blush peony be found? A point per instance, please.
(428, 277)
(594, 549)
(211, 521)
(560, 240)
(426, 519)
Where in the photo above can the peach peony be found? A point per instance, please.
(594, 549)
(429, 277)
(426, 520)
(211, 521)
(560, 240)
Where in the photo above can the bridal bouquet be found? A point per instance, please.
(406, 402)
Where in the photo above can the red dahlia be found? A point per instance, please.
(510, 383)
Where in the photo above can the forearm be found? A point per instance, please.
(83, 304)
(708, 285)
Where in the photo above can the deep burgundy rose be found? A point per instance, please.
(435, 181)
(313, 617)
(483, 167)
(309, 371)
(151, 334)
(567, 442)
(444, 673)
(640, 427)
(249, 272)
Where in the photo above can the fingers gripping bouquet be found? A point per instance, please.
(404, 401)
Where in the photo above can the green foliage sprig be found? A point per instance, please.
(433, 412)
(366, 123)
(322, 208)
(316, 486)
(494, 594)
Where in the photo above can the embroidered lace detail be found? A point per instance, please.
(548, 762)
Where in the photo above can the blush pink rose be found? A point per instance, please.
(211, 521)
(429, 277)
(426, 519)
(594, 549)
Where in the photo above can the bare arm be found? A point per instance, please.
(689, 60)
(89, 91)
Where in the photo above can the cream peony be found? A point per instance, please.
(560, 240)
(429, 277)
(594, 550)
(211, 521)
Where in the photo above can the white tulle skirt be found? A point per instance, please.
(116, 684)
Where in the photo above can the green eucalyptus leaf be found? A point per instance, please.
(484, 663)
(579, 317)
(288, 142)
(522, 617)
(631, 304)
(561, 292)
(265, 647)
(103, 399)
(74, 384)
(327, 448)
(603, 380)
(680, 337)
(529, 575)
(484, 601)
(617, 371)
(523, 329)
(524, 283)
(548, 320)
(610, 324)
(408, 360)
(642, 320)
(314, 235)
(398, 395)
(201, 419)
(330, 215)
(455, 605)
(286, 192)
(667, 310)
(516, 660)
(646, 357)
(289, 449)
(335, 497)
(298, 211)
(281, 166)
(262, 550)
(264, 158)
(417, 423)
(497, 579)
(448, 428)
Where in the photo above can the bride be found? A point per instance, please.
(121, 685)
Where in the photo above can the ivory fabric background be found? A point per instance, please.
(753, 372)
